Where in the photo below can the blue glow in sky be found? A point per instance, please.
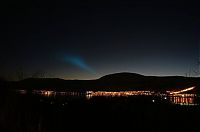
(85, 40)
(79, 62)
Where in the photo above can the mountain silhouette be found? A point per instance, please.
(123, 76)
(112, 82)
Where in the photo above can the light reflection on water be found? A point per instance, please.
(181, 99)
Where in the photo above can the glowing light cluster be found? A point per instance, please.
(184, 90)
(117, 94)
(56, 93)
(176, 97)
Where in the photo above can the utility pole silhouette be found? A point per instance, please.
(198, 61)
(195, 71)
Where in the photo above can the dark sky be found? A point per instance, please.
(88, 39)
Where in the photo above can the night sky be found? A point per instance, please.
(89, 39)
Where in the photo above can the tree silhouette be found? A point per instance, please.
(20, 74)
(39, 74)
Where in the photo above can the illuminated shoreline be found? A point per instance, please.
(177, 97)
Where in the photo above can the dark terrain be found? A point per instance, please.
(34, 113)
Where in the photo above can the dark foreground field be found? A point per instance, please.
(30, 113)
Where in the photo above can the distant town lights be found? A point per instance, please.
(184, 90)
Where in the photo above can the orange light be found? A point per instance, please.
(184, 90)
